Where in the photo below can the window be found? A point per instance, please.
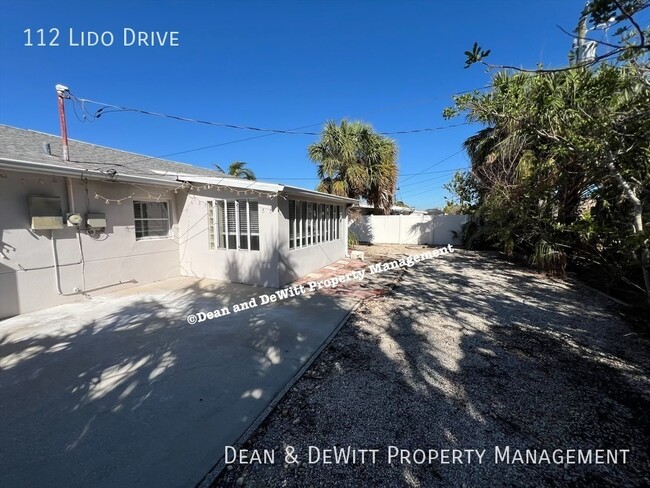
(312, 223)
(292, 224)
(151, 219)
(211, 243)
(235, 223)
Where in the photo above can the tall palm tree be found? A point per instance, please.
(238, 170)
(355, 161)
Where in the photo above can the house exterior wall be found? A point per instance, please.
(111, 260)
(295, 263)
(274, 265)
(239, 266)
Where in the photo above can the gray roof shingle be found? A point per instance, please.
(27, 145)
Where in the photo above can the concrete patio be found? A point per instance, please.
(119, 390)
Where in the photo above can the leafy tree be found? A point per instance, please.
(238, 170)
(355, 161)
(562, 168)
(452, 209)
(463, 188)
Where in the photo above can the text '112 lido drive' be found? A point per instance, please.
(128, 37)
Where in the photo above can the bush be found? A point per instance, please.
(353, 239)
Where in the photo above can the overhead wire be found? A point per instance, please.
(434, 165)
(118, 108)
(317, 178)
(429, 184)
(87, 116)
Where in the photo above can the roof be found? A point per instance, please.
(292, 191)
(27, 145)
(22, 149)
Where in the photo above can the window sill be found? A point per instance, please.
(153, 238)
(222, 249)
(291, 249)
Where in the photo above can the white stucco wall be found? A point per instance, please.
(273, 265)
(295, 263)
(196, 258)
(27, 272)
(114, 259)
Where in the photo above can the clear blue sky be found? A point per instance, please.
(273, 64)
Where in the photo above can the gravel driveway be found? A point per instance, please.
(468, 353)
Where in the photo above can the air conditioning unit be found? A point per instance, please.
(45, 212)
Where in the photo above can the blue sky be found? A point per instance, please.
(273, 64)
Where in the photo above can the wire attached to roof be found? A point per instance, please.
(109, 108)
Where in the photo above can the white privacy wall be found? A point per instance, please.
(435, 230)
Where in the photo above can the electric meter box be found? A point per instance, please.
(74, 219)
(96, 220)
(45, 212)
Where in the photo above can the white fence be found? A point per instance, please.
(437, 230)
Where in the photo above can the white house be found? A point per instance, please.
(107, 219)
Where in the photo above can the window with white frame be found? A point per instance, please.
(313, 223)
(151, 219)
(233, 224)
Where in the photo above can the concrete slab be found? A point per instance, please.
(120, 390)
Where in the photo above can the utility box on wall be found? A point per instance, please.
(96, 220)
(45, 212)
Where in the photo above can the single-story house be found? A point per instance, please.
(106, 219)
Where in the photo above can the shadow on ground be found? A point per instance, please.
(469, 353)
(121, 391)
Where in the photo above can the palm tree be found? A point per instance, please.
(238, 170)
(355, 161)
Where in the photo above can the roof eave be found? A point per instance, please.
(303, 192)
(55, 169)
(231, 182)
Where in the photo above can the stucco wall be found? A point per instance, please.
(273, 265)
(114, 259)
(27, 272)
(196, 258)
(295, 263)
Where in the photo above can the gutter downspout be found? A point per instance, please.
(70, 195)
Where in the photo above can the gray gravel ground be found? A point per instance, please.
(467, 352)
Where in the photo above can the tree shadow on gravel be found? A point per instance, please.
(506, 357)
(469, 353)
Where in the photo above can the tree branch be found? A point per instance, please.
(615, 46)
(632, 21)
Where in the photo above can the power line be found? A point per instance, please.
(431, 172)
(424, 181)
(116, 108)
(90, 117)
(429, 184)
(317, 178)
(434, 165)
(425, 191)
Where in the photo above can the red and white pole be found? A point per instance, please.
(62, 93)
